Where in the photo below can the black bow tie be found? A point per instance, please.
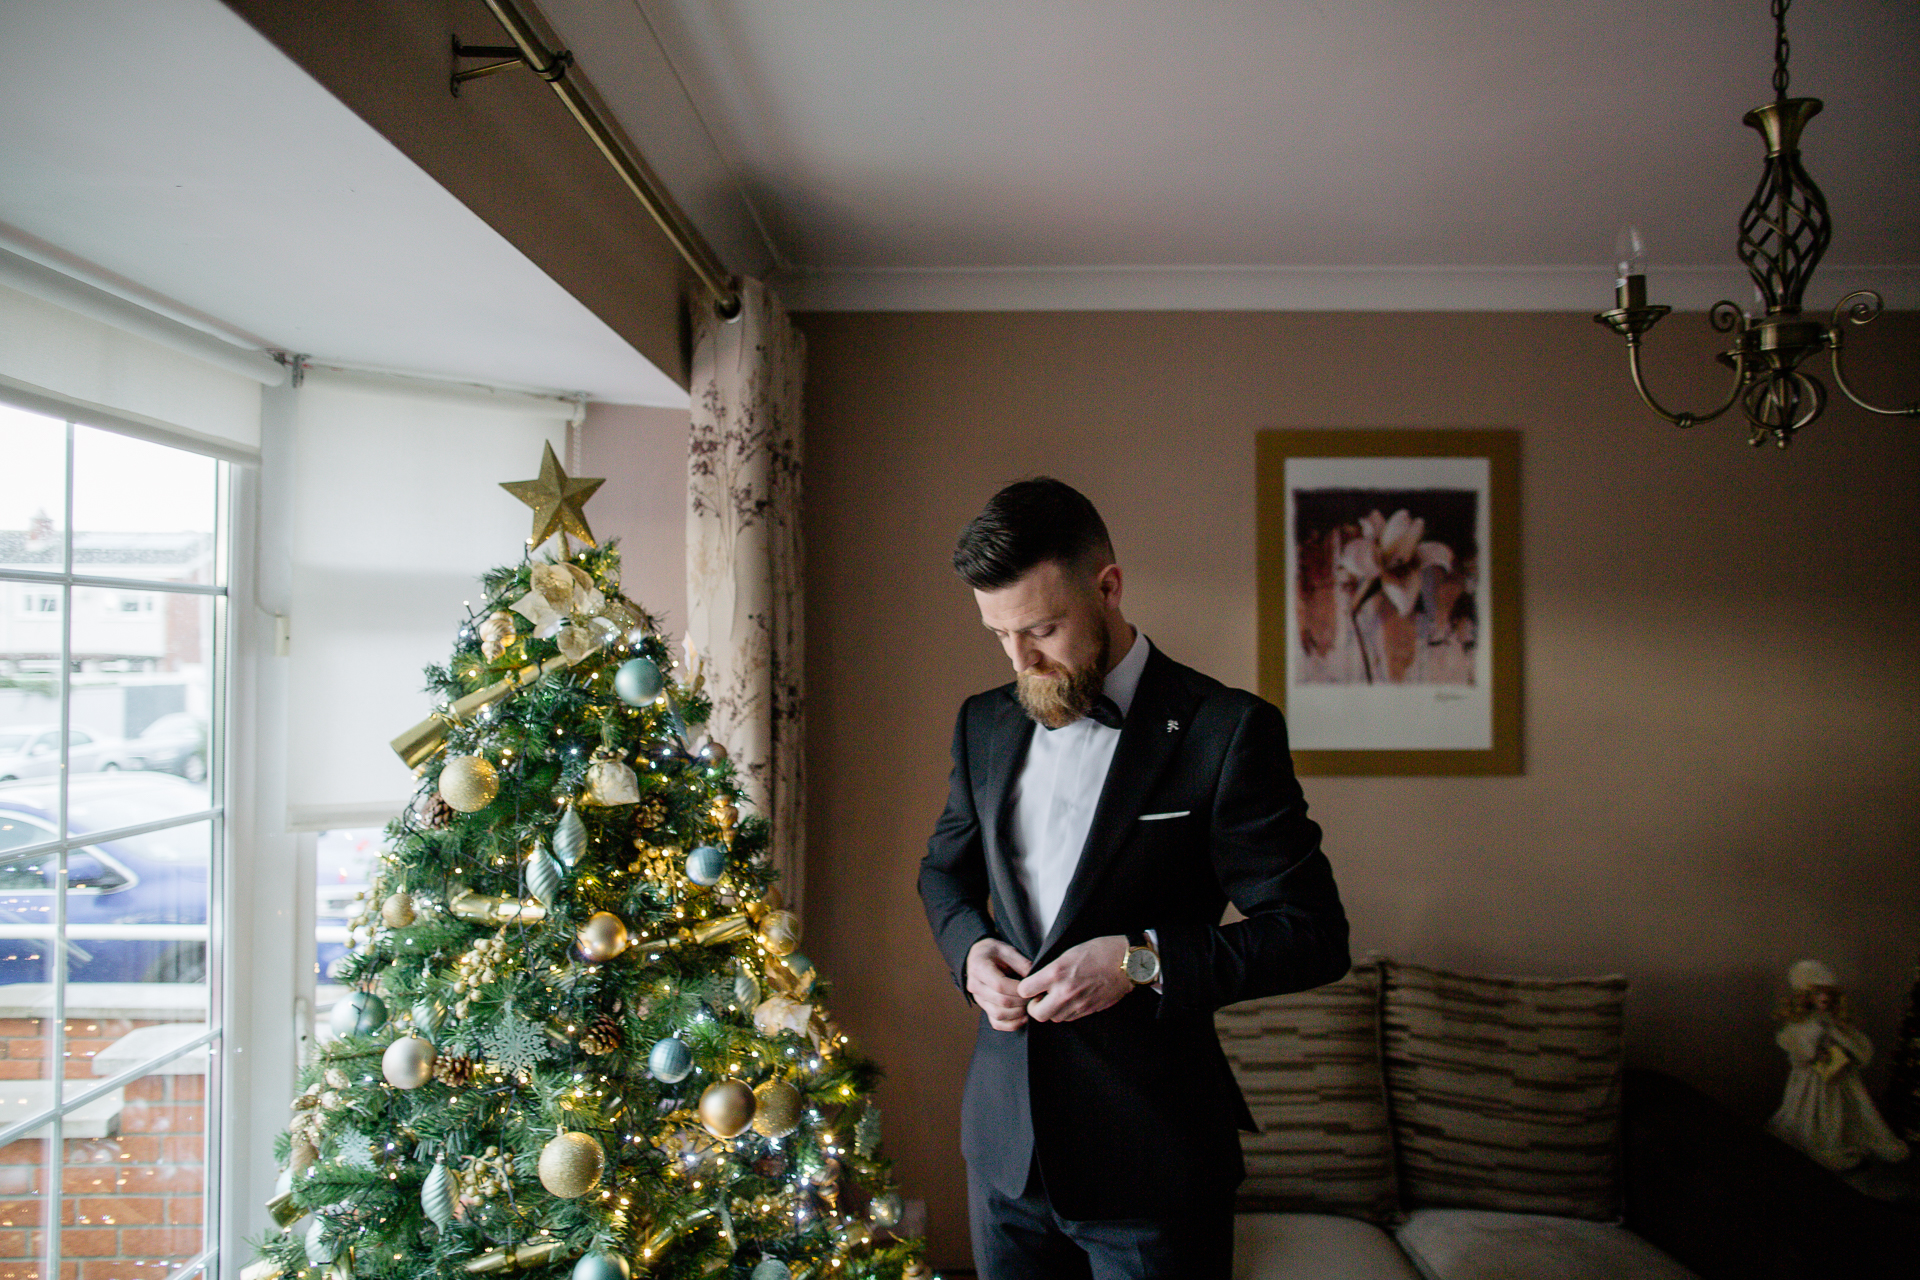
(1105, 711)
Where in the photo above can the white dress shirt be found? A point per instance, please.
(1059, 786)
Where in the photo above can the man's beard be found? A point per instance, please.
(1061, 695)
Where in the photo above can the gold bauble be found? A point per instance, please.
(397, 910)
(603, 937)
(780, 930)
(469, 783)
(776, 1109)
(408, 1062)
(571, 1165)
(726, 1108)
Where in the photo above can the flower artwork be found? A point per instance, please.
(1386, 583)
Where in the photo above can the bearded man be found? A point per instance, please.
(1103, 810)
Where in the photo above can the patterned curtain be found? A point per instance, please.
(744, 600)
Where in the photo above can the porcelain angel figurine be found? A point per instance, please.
(1826, 1111)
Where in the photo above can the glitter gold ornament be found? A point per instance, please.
(557, 500)
(610, 780)
(726, 1108)
(571, 1165)
(780, 931)
(397, 911)
(776, 1109)
(603, 937)
(469, 783)
(408, 1062)
(496, 634)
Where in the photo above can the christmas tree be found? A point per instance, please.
(580, 1038)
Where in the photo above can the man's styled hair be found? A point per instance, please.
(1025, 524)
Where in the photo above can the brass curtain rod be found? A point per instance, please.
(551, 66)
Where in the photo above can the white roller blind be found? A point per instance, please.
(111, 377)
(398, 510)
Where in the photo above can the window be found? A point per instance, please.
(112, 824)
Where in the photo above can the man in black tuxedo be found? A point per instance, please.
(1100, 1119)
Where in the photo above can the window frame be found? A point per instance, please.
(66, 1097)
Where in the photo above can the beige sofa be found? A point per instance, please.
(1418, 1124)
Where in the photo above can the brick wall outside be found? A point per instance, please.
(131, 1204)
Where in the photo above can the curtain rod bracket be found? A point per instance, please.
(529, 50)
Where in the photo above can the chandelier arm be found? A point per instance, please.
(1861, 307)
(1685, 419)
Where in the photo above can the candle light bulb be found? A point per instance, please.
(1629, 253)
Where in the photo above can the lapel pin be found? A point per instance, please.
(1173, 726)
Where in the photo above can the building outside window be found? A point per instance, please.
(112, 836)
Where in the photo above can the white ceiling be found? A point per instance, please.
(164, 147)
(1422, 153)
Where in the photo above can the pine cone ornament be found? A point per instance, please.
(603, 1036)
(454, 1069)
(433, 811)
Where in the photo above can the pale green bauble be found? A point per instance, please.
(706, 864)
(637, 682)
(359, 1013)
(439, 1193)
(601, 1265)
(570, 838)
(772, 1269)
(670, 1061)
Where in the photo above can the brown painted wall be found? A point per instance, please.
(506, 147)
(1722, 658)
(642, 453)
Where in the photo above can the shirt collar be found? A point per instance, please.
(1124, 679)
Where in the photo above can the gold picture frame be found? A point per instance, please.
(1390, 623)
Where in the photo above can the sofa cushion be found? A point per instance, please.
(1314, 1246)
(1475, 1244)
(1505, 1092)
(1309, 1065)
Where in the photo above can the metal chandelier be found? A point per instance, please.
(1783, 233)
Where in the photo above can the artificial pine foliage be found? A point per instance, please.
(583, 1102)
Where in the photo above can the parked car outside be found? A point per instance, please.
(33, 751)
(136, 906)
(175, 743)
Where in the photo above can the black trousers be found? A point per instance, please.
(1022, 1238)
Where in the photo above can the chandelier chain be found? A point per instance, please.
(1781, 48)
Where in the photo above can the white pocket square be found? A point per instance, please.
(1159, 817)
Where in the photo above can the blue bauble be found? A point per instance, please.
(600, 1265)
(359, 1013)
(772, 1269)
(637, 682)
(670, 1061)
(706, 864)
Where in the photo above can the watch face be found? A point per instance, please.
(1142, 964)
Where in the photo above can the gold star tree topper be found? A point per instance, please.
(556, 499)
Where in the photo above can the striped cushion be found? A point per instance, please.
(1505, 1091)
(1309, 1065)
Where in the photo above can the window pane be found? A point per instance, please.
(139, 947)
(26, 1180)
(344, 863)
(30, 626)
(141, 510)
(33, 501)
(135, 1177)
(143, 682)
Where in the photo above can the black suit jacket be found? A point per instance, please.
(1133, 1111)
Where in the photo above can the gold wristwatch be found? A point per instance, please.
(1141, 964)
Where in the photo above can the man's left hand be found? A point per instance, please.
(1085, 979)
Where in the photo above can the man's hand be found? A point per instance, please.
(994, 970)
(1085, 979)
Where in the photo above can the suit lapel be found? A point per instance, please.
(1156, 725)
(1007, 740)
